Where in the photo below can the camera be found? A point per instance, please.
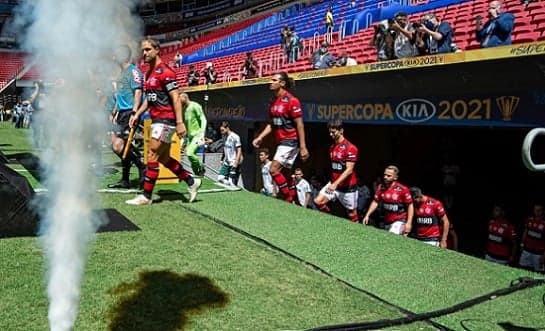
(391, 21)
(416, 25)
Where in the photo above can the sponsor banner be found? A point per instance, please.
(237, 112)
(506, 110)
(415, 62)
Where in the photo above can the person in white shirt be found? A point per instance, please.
(269, 189)
(303, 188)
(232, 156)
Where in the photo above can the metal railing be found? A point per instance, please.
(527, 150)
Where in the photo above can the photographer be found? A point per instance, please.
(209, 73)
(435, 36)
(249, 67)
(497, 30)
(192, 76)
(404, 36)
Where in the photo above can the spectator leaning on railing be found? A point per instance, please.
(497, 30)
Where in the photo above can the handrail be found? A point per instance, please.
(527, 150)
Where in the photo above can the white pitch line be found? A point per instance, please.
(132, 191)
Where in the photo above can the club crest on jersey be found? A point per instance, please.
(159, 70)
(285, 99)
(136, 76)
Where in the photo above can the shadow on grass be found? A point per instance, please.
(478, 325)
(170, 195)
(508, 326)
(162, 301)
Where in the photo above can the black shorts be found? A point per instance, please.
(122, 129)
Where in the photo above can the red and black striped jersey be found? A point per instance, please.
(339, 155)
(426, 221)
(159, 82)
(534, 241)
(501, 238)
(395, 201)
(283, 111)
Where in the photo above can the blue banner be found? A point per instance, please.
(525, 109)
(519, 109)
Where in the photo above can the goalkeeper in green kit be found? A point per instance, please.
(195, 124)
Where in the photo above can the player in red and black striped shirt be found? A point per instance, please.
(397, 203)
(344, 183)
(289, 133)
(430, 221)
(163, 100)
(533, 241)
(501, 243)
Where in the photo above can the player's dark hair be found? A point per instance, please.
(154, 43)
(415, 192)
(264, 150)
(290, 83)
(335, 124)
(224, 124)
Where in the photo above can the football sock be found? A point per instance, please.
(178, 170)
(152, 172)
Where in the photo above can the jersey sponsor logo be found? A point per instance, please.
(495, 238)
(534, 234)
(336, 166)
(136, 76)
(424, 220)
(277, 121)
(391, 207)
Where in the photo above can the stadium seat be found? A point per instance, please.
(526, 37)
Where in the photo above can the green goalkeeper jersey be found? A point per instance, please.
(194, 119)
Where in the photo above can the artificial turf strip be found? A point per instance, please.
(260, 289)
(182, 272)
(402, 271)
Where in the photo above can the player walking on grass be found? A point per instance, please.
(431, 224)
(163, 100)
(397, 203)
(195, 123)
(289, 133)
(128, 97)
(344, 183)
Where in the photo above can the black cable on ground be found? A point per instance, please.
(410, 315)
(516, 285)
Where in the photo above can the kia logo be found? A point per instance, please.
(415, 110)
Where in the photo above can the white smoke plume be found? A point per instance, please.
(72, 42)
